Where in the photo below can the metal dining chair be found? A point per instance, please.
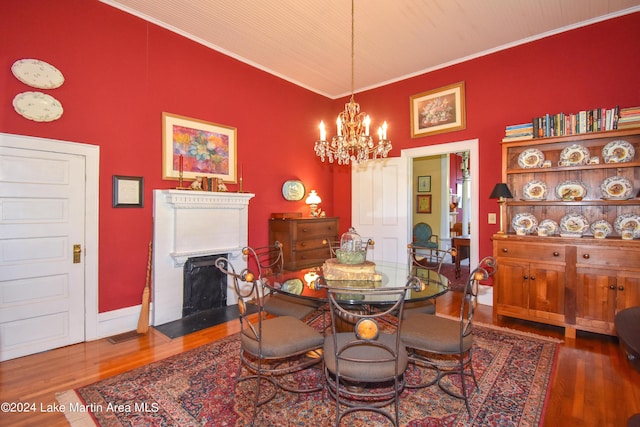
(271, 349)
(364, 368)
(417, 264)
(445, 345)
(269, 260)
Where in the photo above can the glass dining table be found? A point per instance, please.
(299, 284)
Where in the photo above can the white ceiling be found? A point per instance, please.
(308, 42)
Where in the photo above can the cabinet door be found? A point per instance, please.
(546, 291)
(628, 290)
(595, 299)
(511, 285)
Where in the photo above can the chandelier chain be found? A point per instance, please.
(353, 142)
(353, 47)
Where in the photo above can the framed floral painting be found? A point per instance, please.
(197, 148)
(438, 111)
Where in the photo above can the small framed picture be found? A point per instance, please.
(128, 191)
(424, 184)
(423, 204)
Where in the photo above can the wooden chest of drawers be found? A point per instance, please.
(305, 241)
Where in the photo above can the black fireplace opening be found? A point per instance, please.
(205, 286)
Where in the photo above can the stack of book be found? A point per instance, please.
(629, 117)
(596, 120)
(518, 132)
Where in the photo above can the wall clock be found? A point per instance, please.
(293, 190)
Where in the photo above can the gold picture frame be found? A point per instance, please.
(423, 204)
(437, 111)
(198, 148)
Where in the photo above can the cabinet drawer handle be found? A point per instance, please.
(505, 250)
(303, 244)
(621, 288)
(304, 230)
(586, 256)
(612, 287)
(533, 277)
(556, 254)
(526, 277)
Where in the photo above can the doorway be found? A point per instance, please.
(441, 183)
(441, 151)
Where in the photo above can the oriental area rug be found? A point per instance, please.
(196, 388)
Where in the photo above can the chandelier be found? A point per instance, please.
(353, 143)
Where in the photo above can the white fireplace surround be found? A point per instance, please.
(191, 224)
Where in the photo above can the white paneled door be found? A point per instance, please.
(379, 207)
(42, 250)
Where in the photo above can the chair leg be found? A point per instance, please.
(464, 391)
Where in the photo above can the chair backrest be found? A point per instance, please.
(265, 259)
(418, 260)
(422, 232)
(245, 287)
(485, 269)
(343, 303)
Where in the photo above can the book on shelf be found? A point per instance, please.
(518, 132)
(585, 121)
(629, 118)
(517, 138)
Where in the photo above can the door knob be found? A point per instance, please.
(77, 250)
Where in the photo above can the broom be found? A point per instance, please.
(143, 322)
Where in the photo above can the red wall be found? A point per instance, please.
(122, 73)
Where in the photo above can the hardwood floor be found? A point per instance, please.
(593, 385)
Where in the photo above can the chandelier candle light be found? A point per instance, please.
(353, 142)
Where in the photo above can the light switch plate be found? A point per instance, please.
(492, 218)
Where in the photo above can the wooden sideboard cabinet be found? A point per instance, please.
(609, 279)
(305, 241)
(578, 282)
(532, 278)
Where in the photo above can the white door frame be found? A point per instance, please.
(91, 153)
(472, 146)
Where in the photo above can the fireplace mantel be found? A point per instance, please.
(192, 224)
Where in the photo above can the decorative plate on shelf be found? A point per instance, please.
(569, 190)
(525, 221)
(573, 225)
(292, 286)
(531, 158)
(618, 151)
(535, 190)
(293, 190)
(602, 225)
(36, 73)
(37, 106)
(550, 225)
(573, 155)
(628, 221)
(616, 187)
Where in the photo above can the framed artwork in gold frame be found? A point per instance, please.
(198, 148)
(437, 111)
(423, 204)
